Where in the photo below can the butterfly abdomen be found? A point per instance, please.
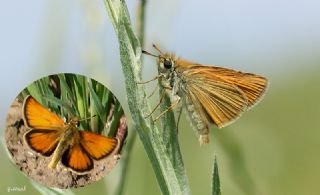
(65, 142)
(61, 148)
(199, 125)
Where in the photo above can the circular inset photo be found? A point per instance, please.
(65, 131)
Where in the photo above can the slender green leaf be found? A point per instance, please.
(66, 94)
(126, 157)
(215, 179)
(34, 90)
(117, 113)
(96, 102)
(170, 139)
(78, 86)
(60, 103)
(171, 178)
(94, 121)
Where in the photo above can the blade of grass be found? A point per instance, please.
(79, 88)
(67, 95)
(126, 158)
(34, 90)
(141, 21)
(169, 177)
(215, 179)
(59, 102)
(170, 137)
(96, 102)
(117, 113)
(94, 121)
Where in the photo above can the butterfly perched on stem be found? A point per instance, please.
(51, 136)
(210, 94)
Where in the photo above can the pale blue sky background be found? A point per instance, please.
(270, 37)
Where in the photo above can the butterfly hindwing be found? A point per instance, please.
(90, 146)
(97, 146)
(77, 159)
(222, 102)
(38, 117)
(224, 93)
(42, 140)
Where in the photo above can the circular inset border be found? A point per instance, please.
(35, 141)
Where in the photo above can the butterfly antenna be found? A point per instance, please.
(157, 48)
(150, 54)
(88, 118)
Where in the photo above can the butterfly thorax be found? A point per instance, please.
(173, 72)
(170, 79)
(70, 131)
(69, 136)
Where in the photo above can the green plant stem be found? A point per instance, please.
(141, 20)
(215, 186)
(125, 157)
(167, 168)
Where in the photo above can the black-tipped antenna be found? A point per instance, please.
(150, 54)
(88, 118)
(157, 48)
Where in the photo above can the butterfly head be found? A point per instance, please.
(166, 61)
(74, 121)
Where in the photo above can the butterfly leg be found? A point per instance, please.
(155, 78)
(160, 101)
(167, 110)
(153, 92)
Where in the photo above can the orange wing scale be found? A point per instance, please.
(222, 102)
(91, 145)
(38, 117)
(97, 146)
(45, 135)
(77, 159)
(42, 141)
(223, 93)
(252, 85)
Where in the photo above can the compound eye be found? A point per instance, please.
(167, 64)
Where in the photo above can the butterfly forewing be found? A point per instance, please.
(38, 117)
(223, 93)
(222, 102)
(252, 85)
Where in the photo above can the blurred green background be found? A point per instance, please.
(271, 149)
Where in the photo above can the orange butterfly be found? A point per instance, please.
(50, 135)
(210, 94)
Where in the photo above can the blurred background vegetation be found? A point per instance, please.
(271, 149)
